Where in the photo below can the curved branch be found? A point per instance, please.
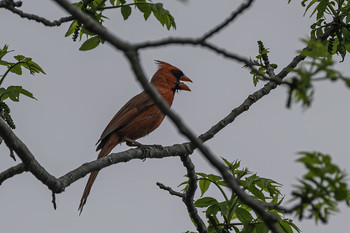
(125, 156)
(189, 194)
(12, 171)
(11, 6)
(13, 142)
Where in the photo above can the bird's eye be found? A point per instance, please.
(177, 73)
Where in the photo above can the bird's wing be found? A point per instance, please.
(133, 108)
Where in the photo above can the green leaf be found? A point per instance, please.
(310, 4)
(212, 210)
(205, 202)
(285, 227)
(214, 178)
(145, 8)
(72, 28)
(32, 66)
(244, 216)
(90, 43)
(248, 228)
(16, 68)
(19, 57)
(341, 194)
(126, 11)
(256, 192)
(13, 92)
(3, 51)
(322, 6)
(261, 228)
(203, 185)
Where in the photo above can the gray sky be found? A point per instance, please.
(83, 90)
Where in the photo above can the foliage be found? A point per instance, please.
(303, 77)
(321, 188)
(231, 213)
(13, 92)
(318, 192)
(262, 63)
(319, 51)
(96, 8)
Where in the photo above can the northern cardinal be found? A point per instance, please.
(139, 116)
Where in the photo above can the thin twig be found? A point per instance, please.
(11, 6)
(54, 200)
(229, 20)
(170, 190)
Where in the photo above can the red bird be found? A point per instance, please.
(139, 116)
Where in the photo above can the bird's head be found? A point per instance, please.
(170, 76)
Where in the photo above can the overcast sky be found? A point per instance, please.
(83, 90)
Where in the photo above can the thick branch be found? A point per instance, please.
(13, 142)
(11, 6)
(125, 156)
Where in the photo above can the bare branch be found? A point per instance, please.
(12, 171)
(211, 47)
(125, 156)
(11, 6)
(230, 19)
(170, 190)
(190, 191)
(13, 142)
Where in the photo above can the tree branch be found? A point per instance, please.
(12, 171)
(170, 190)
(190, 191)
(125, 156)
(230, 19)
(11, 6)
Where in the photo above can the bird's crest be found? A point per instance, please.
(162, 64)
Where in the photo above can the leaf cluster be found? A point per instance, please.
(303, 77)
(96, 9)
(231, 213)
(321, 188)
(13, 92)
(319, 51)
(339, 42)
(261, 62)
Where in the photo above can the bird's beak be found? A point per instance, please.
(183, 86)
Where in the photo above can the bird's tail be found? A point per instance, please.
(106, 149)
